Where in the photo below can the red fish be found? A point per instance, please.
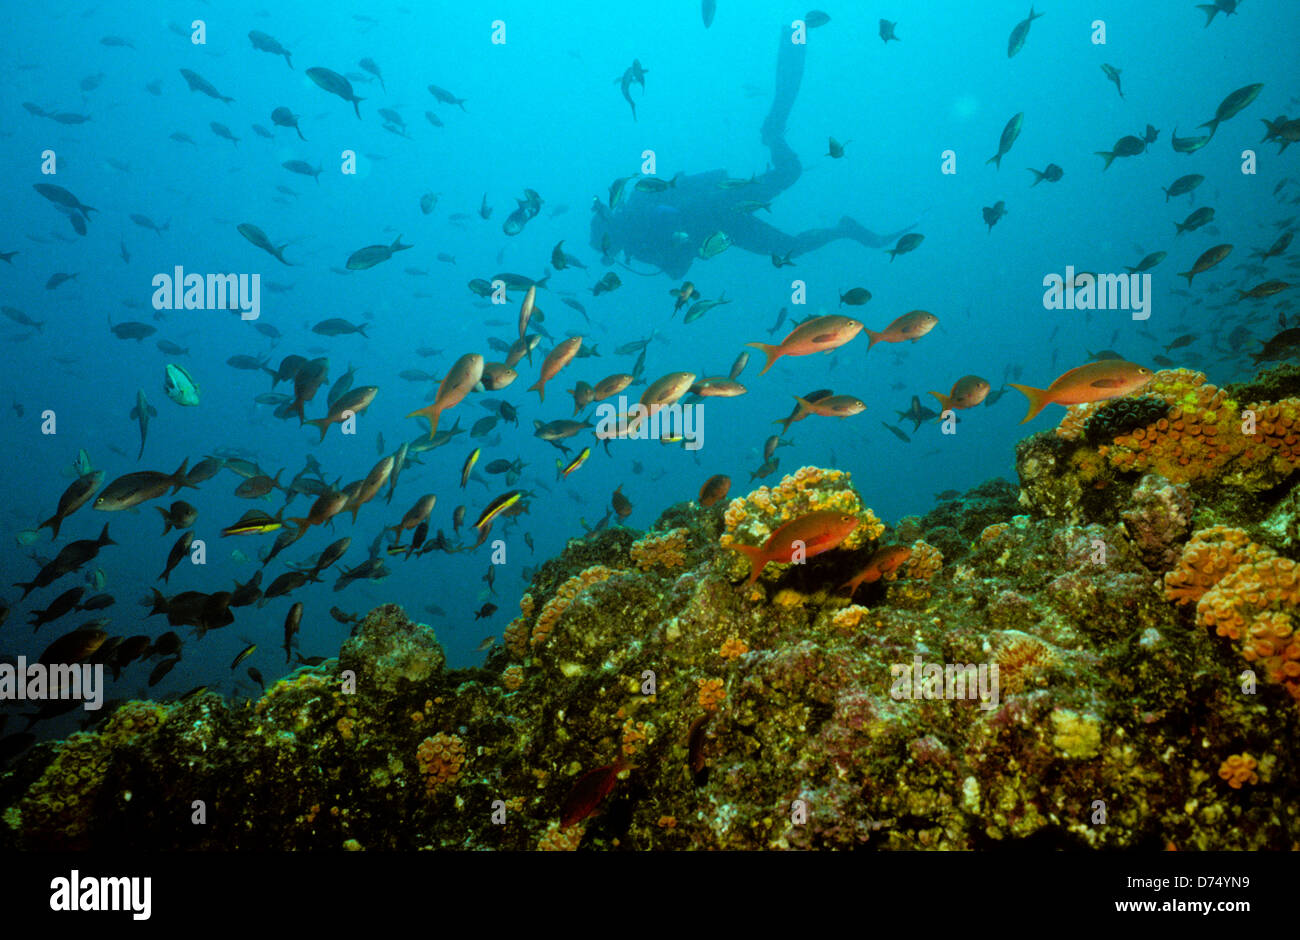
(589, 791)
(881, 563)
(818, 531)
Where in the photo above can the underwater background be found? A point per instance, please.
(137, 120)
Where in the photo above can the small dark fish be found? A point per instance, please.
(896, 432)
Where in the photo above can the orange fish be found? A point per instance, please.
(497, 375)
(820, 334)
(967, 392)
(818, 531)
(717, 387)
(352, 403)
(912, 325)
(885, 560)
(1096, 381)
(526, 314)
(715, 488)
(611, 385)
(371, 485)
(555, 360)
(800, 412)
(666, 390)
(833, 406)
(463, 376)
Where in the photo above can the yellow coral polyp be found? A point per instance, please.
(733, 648)
(1247, 593)
(666, 549)
(924, 563)
(1239, 769)
(711, 694)
(564, 597)
(440, 759)
(850, 618)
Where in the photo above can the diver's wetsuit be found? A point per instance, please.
(667, 228)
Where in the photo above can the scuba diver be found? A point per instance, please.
(669, 228)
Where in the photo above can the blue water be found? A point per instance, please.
(544, 111)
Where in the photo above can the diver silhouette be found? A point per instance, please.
(668, 228)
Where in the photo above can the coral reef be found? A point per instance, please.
(710, 716)
(1158, 520)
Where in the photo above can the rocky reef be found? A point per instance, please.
(1137, 593)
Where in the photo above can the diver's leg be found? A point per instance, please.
(789, 73)
(785, 164)
(759, 237)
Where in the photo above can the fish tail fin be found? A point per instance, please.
(300, 137)
(1032, 14)
(540, 388)
(103, 537)
(1038, 399)
(757, 560)
(1038, 177)
(288, 60)
(945, 402)
(1212, 124)
(356, 102)
(1189, 275)
(53, 522)
(158, 602)
(1166, 193)
(1181, 228)
(996, 160)
(872, 336)
(1108, 155)
(773, 353)
(178, 478)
